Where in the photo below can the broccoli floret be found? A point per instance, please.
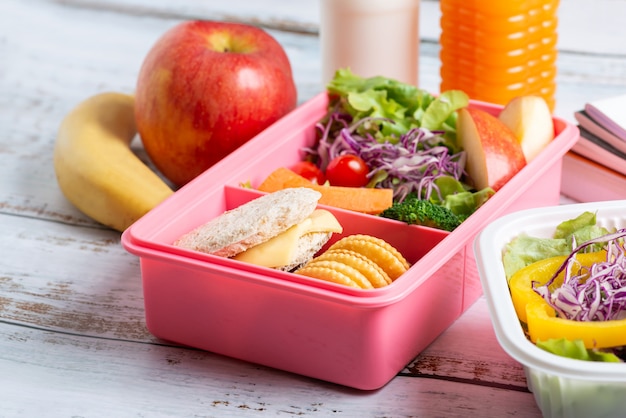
(416, 211)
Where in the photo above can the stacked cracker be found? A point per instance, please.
(360, 261)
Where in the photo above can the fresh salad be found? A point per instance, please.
(381, 133)
(569, 290)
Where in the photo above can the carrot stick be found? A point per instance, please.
(358, 199)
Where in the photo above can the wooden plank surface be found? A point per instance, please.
(79, 375)
(73, 340)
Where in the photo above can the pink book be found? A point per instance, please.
(592, 147)
(590, 125)
(585, 180)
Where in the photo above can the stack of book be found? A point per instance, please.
(595, 168)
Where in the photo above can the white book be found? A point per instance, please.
(610, 113)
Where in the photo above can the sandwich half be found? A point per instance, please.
(281, 230)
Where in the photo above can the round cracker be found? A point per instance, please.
(372, 271)
(377, 250)
(359, 278)
(327, 274)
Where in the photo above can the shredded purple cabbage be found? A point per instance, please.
(594, 293)
(411, 164)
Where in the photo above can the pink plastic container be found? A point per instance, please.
(357, 338)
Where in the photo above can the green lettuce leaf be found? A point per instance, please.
(459, 200)
(404, 105)
(576, 350)
(524, 250)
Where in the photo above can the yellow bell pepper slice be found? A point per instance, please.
(541, 318)
(544, 325)
(521, 283)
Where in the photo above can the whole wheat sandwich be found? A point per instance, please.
(281, 230)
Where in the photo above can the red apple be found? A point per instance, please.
(493, 153)
(204, 89)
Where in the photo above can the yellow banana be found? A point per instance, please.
(95, 167)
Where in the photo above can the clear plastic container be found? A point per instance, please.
(496, 50)
(562, 387)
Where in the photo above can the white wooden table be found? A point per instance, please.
(72, 336)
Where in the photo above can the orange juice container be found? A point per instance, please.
(495, 50)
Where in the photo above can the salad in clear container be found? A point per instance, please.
(554, 282)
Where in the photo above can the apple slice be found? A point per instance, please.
(530, 119)
(493, 153)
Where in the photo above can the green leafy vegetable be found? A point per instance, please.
(403, 105)
(456, 197)
(441, 112)
(567, 228)
(524, 250)
(576, 350)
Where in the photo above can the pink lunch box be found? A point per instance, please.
(352, 337)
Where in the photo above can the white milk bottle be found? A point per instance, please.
(371, 37)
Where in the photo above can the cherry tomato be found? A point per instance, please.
(347, 170)
(309, 171)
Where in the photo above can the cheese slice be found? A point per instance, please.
(280, 250)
